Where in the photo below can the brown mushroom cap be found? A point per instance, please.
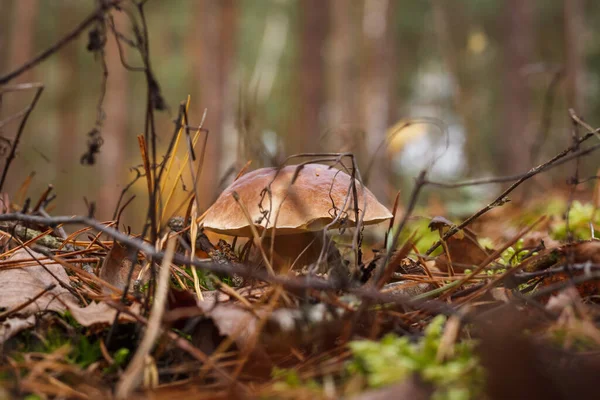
(305, 205)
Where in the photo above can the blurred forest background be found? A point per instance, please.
(280, 77)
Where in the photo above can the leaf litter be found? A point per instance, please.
(421, 327)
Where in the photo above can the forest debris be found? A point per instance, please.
(132, 376)
(501, 294)
(465, 252)
(407, 288)
(566, 298)
(12, 326)
(116, 266)
(26, 234)
(17, 285)
(410, 388)
(532, 369)
(231, 321)
(585, 251)
(100, 313)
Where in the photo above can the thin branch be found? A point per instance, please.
(15, 144)
(93, 17)
(501, 199)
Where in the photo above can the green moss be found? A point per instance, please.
(425, 236)
(393, 359)
(289, 379)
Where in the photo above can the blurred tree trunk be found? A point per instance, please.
(5, 17)
(514, 140)
(112, 156)
(376, 93)
(23, 35)
(343, 77)
(306, 129)
(213, 54)
(451, 30)
(68, 111)
(574, 57)
(21, 42)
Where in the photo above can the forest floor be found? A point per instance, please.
(499, 302)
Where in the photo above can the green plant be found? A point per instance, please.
(289, 379)
(86, 352)
(393, 359)
(120, 357)
(420, 226)
(580, 217)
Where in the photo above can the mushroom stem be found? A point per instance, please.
(296, 250)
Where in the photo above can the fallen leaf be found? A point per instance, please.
(584, 251)
(11, 326)
(100, 313)
(116, 266)
(231, 321)
(566, 298)
(19, 284)
(465, 253)
(501, 294)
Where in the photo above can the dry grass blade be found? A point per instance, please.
(144, 153)
(193, 236)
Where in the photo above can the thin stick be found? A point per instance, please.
(501, 199)
(193, 236)
(13, 148)
(97, 14)
(144, 153)
(132, 376)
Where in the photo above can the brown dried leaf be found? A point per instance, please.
(231, 321)
(17, 285)
(116, 266)
(585, 251)
(578, 253)
(99, 313)
(465, 252)
(501, 294)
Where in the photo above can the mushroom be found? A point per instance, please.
(291, 210)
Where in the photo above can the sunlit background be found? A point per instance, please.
(481, 87)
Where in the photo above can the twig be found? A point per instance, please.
(13, 148)
(501, 199)
(97, 14)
